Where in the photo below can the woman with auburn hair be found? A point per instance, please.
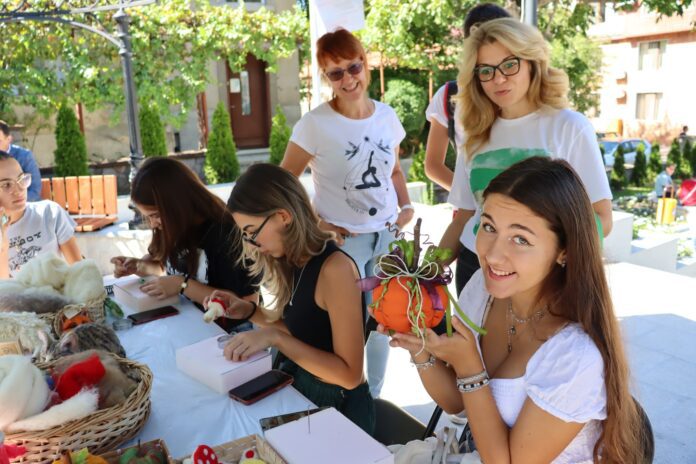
(513, 105)
(193, 238)
(549, 381)
(316, 320)
(351, 143)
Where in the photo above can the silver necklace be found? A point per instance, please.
(512, 319)
(295, 286)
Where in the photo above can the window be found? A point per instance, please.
(648, 105)
(650, 55)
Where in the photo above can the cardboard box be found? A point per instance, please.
(128, 293)
(328, 437)
(205, 362)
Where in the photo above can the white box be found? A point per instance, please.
(329, 437)
(205, 362)
(128, 292)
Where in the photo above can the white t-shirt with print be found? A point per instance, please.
(352, 163)
(564, 377)
(563, 134)
(436, 111)
(42, 229)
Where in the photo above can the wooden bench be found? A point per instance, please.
(90, 200)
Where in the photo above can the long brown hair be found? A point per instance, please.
(183, 203)
(548, 86)
(265, 189)
(579, 292)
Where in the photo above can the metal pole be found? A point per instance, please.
(136, 147)
(529, 12)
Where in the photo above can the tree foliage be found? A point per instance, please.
(152, 132)
(409, 102)
(683, 166)
(655, 162)
(221, 163)
(42, 64)
(71, 152)
(618, 172)
(639, 176)
(280, 136)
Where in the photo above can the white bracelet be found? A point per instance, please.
(424, 365)
(409, 206)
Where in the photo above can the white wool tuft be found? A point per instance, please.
(83, 281)
(45, 269)
(25, 327)
(77, 407)
(23, 390)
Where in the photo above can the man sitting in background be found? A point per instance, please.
(25, 158)
(663, 182)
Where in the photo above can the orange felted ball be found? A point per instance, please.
(391, 308)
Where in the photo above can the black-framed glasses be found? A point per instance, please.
(353, 69)
(251, 239)
(23, 181)
(509, 67)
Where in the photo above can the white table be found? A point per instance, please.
(186, 413)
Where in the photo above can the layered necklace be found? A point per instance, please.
(512, 319)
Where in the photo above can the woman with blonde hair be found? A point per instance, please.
(316, 320)
(549, 381)
(513, 105)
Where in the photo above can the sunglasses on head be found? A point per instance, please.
(337, 74)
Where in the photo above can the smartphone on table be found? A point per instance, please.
(260, 387)
(153, 314)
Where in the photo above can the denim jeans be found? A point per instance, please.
(364, 248)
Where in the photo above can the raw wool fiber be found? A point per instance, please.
(83, 281)
(33, 333)
(47, 269)
(77, 407)
(23, 390)
(33, 302)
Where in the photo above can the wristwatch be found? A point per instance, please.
(184, 284)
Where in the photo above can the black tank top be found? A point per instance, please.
(305, 320)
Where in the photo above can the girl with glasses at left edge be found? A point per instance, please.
(30, 229)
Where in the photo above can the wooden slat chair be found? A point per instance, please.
(90, 200)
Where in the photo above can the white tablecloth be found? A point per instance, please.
(186, 413)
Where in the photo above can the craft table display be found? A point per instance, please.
(186, 413)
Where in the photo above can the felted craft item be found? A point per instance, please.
(8, 452)
(82, 374)
(204, 454)
(29, 301)
(410, 294)
(215, 310)
(114, 387)
(78, 319)
(83, 281)
(80, 457)
(80, 405)
(91, 336)
(45, 269)
(33, 333)
(23, 389)
(147, 453)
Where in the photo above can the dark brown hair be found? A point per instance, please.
(579, 292)
(481, 13)
(183, 203)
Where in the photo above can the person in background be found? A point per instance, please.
(317, 317)
(193, 249)
(30, 229)
(26, 160)
(664, 185)
(549, 382)
(440, 113)
(351, 143)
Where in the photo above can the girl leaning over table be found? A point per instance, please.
(193, 249)
(549, 381)
(30, 229)
(317, 317)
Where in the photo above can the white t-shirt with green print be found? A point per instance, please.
(563, 134)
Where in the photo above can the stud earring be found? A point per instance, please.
(563, 264)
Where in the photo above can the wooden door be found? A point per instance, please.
(248, 104)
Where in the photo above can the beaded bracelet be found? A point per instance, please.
(474, 378)
(424, 365)
(472, 387)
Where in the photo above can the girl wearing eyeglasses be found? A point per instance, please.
(513, 105)
(30, 229)
(193, 251)
(351, 144)
(316, 318)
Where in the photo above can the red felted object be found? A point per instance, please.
(204, 454)
(83, 374)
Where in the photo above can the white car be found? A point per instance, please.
(629, 148)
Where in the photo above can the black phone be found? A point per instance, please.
(260, 387)
(153, 314)
(268, 423)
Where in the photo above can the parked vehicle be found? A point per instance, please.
(629, 148)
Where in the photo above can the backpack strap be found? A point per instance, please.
(450, 89)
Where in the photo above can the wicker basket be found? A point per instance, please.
(231, 452)
(100, 432)
(94, 307)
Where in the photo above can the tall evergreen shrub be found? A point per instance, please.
(152, 132)
(640, 167)
(654, 163)
(280, 136)
(618, 172)
(70, 157)
(221, 163)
